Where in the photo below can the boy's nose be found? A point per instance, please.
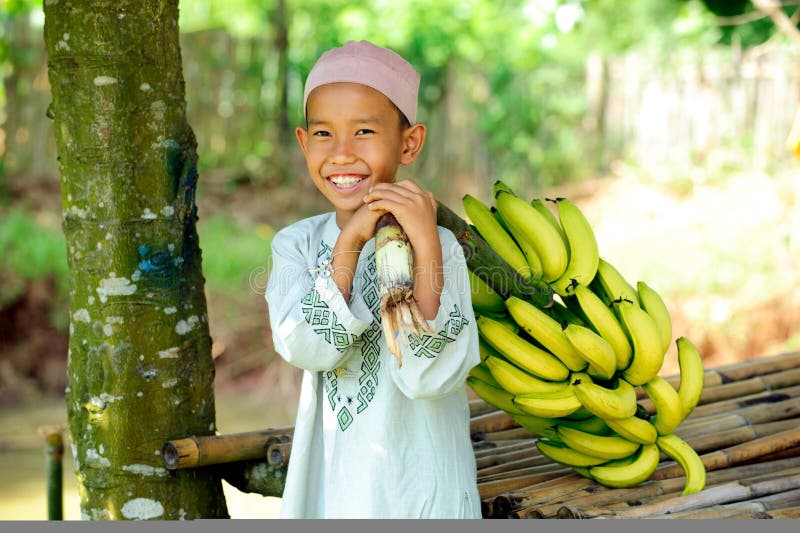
(342, 152)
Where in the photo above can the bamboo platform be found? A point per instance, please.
(746, 429)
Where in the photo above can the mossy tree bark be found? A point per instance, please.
(140, 370)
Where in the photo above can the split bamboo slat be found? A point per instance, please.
(746, 429)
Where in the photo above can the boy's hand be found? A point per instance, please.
(361, 227)
(413, 207)
(415, 211)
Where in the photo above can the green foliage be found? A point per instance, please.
(235, 255)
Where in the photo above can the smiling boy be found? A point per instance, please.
(372, 439)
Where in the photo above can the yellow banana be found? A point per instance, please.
(614, 284)
(546, 330)
(652, 302)
(494, 396)
(642, 331)
(517, 381)
(521, 352)
(606, 403)
(482, 372)
(626, 473)
(594, 349)
(548, 404)
(485, 349)
(542, 427)
(500, 185)
(634, 429)
(692, 375)
(560, 453)
(605, 446)
(669, 411)
(485, 300)
(584, 254)
(541, 206)
(603, 320)
(526, 223)
(693, 468)
(495, 235)
(530, 253)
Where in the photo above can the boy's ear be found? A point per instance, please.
(413, 141)
(302, 137)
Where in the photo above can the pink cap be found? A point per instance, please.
(364, 63)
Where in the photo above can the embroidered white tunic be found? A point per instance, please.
(372, 440)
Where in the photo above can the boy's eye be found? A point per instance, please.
(321, 133)
(364, 131)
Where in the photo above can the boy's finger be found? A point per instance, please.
(410, 185)
(385, 192)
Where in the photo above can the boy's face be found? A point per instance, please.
(353, 141)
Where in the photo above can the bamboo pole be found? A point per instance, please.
(753, 414)
(508, 434)
(723, 439)
(766, 503)
(503, 504)
(536, 469)
(192, 452)
(509, 456)
(725, 493)
(504, 448)
(478, 406)
(492, 422)
(572, 504)
(785, 513)
(524, 462)
(54, 468)
(761, 398)
(739, 453)
(490, 489)
(278, 452)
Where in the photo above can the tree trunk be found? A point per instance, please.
(140, 370)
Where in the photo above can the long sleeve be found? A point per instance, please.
(436, 365)
(312, 325)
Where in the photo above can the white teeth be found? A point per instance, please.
(344, 181)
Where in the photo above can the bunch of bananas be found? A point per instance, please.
(568, 372)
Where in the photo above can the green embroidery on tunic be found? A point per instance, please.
(429, 345)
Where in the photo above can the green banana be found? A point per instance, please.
(526, 223)
(584, 254)
(693, 467)
(542, 427)
(594, 349)
(551, 404)
(627, 473)
(494, 396)
(614, 284)
(495, 235)
(563, 454)
(500, 185)
(517, 381)
(604, 446)
(546, 330)
(652, 302)
(603, 320)
(634, 429)
(692, 375)
(521, 352)
(606, 403)
(669, 411)
(592, 424)
(482, 372)
(484, 298)
(643, 333)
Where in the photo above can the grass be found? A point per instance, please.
(235, 256)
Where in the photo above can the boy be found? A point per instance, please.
(371, 440)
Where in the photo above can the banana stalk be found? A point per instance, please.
(485, 263)
(394, 262)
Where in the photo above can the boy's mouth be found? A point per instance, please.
(346, 182)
